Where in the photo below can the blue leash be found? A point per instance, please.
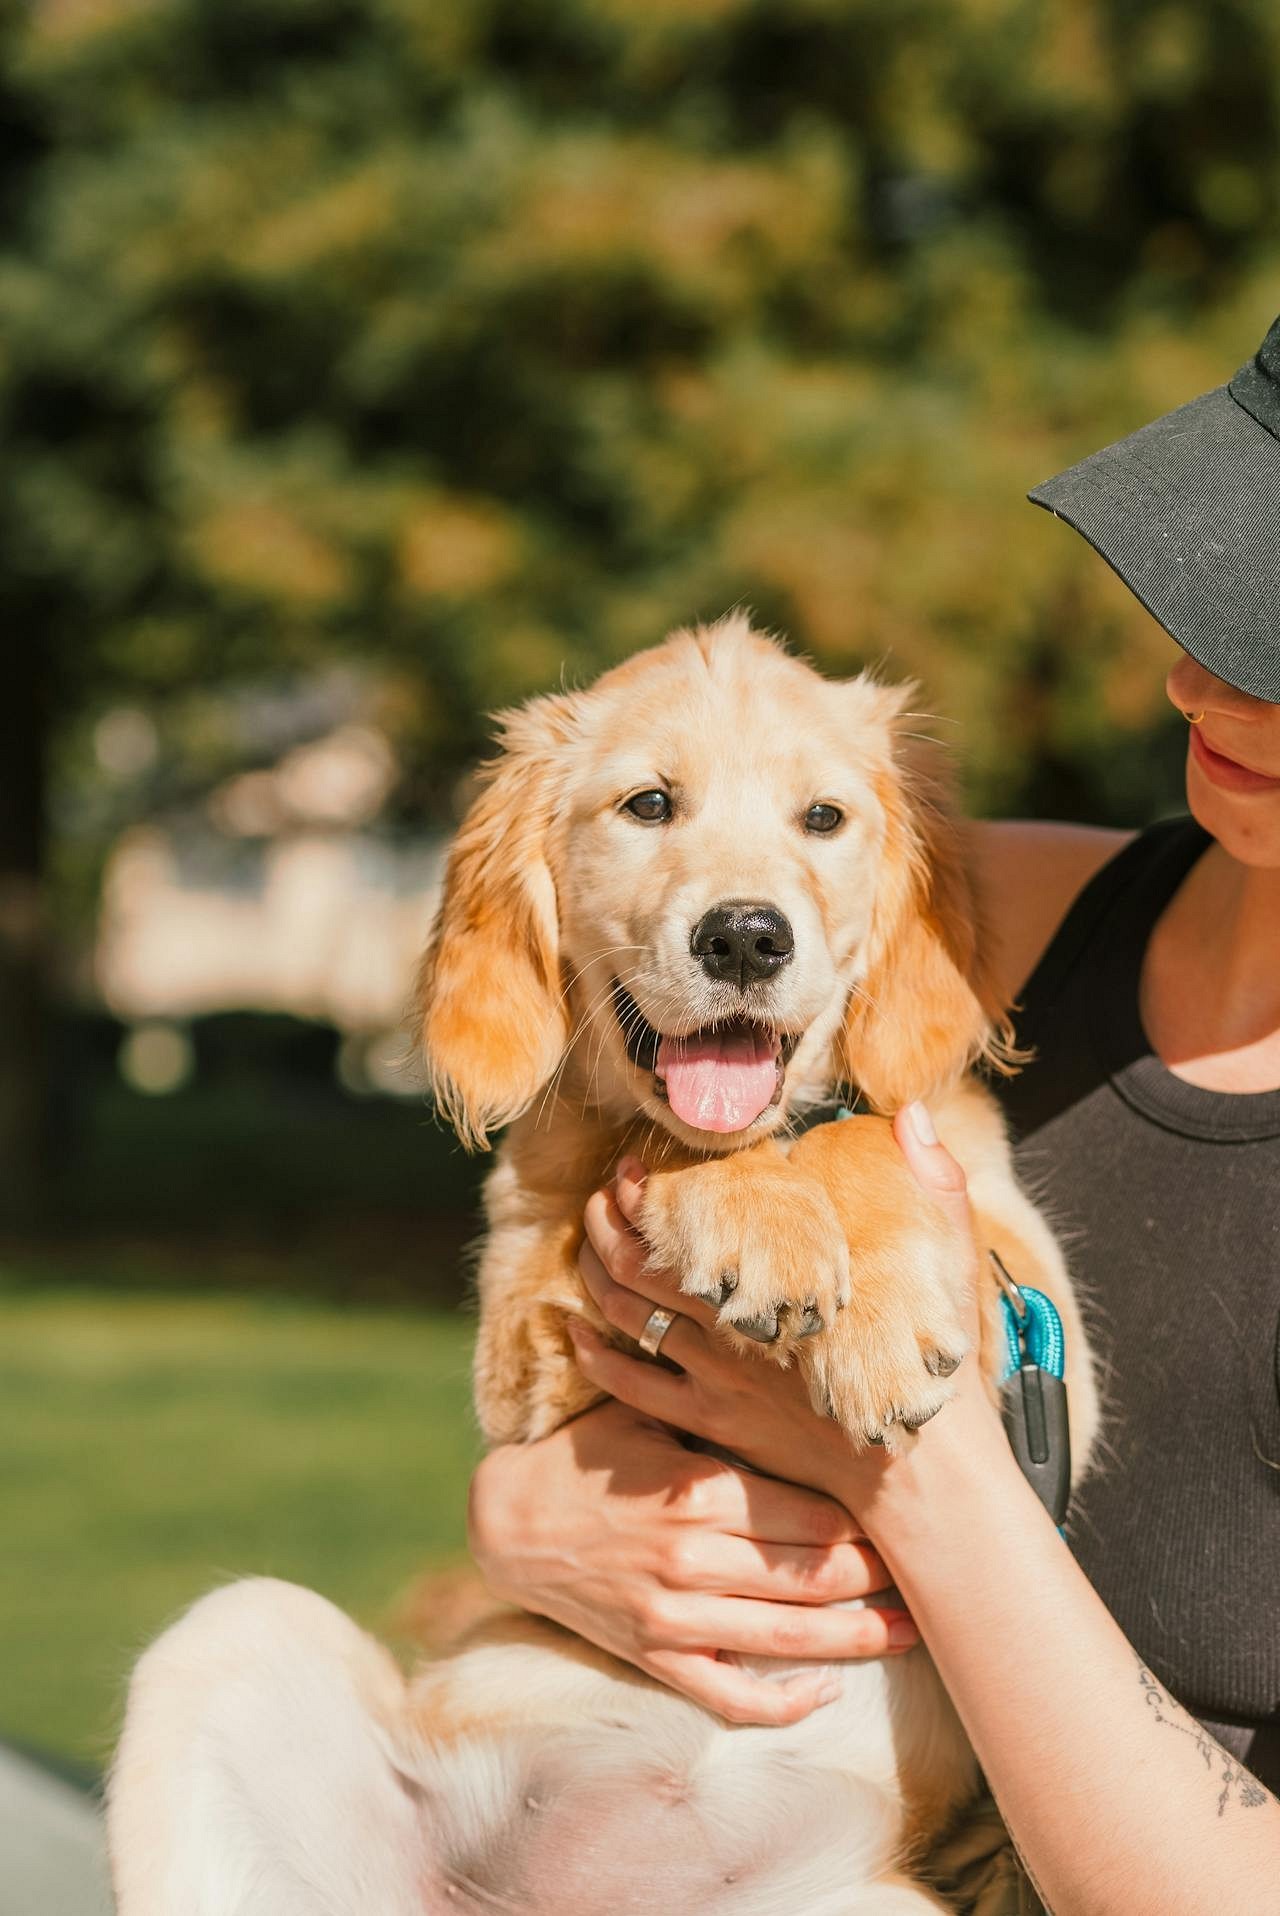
(1033, 1396)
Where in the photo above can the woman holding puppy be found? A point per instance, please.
(1124, 1695)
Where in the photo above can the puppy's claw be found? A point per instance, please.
(811, 1321)
(716, 1291)
(914, 1423)
(761, 1330)
(941, 1363)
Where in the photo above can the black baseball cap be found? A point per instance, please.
(1187, 511)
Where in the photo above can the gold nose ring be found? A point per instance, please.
(1193, 718)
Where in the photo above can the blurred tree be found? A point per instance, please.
(489, 338)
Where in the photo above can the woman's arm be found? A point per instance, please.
(1118, 1802)
(665, 1556)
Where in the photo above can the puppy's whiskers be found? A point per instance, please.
(585, 1024)
(582, 1024)
(626, 1021)
(556, 1080)
(868, 998)
(592, 958)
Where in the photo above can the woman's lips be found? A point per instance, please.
(1227, 772)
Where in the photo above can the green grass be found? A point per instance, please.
(151, 1446)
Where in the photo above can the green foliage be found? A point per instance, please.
(477, 338)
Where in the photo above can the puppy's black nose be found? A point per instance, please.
(741, 943)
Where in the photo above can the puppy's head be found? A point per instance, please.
(706, 889)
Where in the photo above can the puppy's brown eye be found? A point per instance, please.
(653, 807)
(823, 818)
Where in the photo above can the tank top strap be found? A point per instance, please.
(1079, 1013)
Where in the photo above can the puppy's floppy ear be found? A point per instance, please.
(925, 1007)
(493, 1019)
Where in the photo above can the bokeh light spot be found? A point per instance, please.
(157, 1059)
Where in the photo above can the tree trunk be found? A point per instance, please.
(24, 1001)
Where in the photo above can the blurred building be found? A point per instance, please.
(280, 895)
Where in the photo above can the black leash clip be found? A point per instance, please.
(1033, 1396)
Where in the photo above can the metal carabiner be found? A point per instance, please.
(1007, 1285)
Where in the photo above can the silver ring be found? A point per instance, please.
(656, 1326)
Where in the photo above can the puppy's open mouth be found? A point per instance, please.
(721, 1078)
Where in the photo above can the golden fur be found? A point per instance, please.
(553, 893)
(514, 987)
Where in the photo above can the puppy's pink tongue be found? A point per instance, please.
(719, 1081)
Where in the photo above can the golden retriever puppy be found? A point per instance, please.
(689, 904)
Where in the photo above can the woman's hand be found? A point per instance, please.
(751, 1407)
(668, 1557)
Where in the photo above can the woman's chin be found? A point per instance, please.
(1245, 824)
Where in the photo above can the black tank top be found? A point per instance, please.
(1167, 1199)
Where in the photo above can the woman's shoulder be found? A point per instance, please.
(1029, 874)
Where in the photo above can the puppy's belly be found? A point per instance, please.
(614, 1826)
(607, 1796)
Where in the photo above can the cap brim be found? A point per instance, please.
(1187, 511)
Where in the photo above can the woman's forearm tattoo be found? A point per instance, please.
(1238, 1785)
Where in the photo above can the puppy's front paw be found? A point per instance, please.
(758, 1242)
(884, 1370)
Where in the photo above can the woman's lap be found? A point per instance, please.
(976, 1868)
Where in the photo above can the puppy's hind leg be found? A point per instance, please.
(255, 1774)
